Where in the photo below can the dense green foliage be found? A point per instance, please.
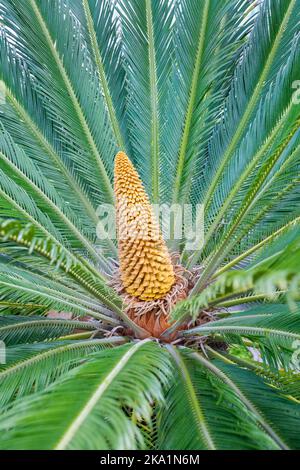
(201, 95)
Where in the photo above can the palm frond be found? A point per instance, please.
(24, 117)
(102, 381)
(79, 118)
(224, 247)
(15, 329)
(146, 30)
(202, 414)
(31, 368)
(274, 275)
(281, 160)
(102, 30)
(27, 175)
(207, 39)
(277, 412)
(275, 335)
(28, 236)
(287, 382)
(286, 234)
(270, 42)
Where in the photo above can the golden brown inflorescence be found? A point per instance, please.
(145, 264)
(149, 279)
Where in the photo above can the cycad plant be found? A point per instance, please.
(144, 341)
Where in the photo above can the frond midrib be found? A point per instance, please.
(256, 247)
(49, 149)
(74, 100)
(243, 122)
(59, 212)
(259, 416)
(68, 303)
(225, 244)
(47, 322)
(154, 104)
(82, 279)
(96, 396)
(242, 178)
(191, 102)
(254, 330)
(102, 76)
(53, 352)
(202, 427)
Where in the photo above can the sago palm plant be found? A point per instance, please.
(146, 340)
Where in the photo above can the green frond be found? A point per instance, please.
(270, 41)
(24, 117)
(204, 414)
(26, 236)
(277, 413)
(21, 168)
(278, 272)
(275, 335)
(32, 368)
(287, 232)
(269, 190)
(82, 116)
(207, 41)
(253, 190)
(102, 381)
(265, 124)
(146, 39)
(15, 329)
(202, 96)
(102, 25)
(287, 382)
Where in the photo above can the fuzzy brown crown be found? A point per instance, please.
(145, 265)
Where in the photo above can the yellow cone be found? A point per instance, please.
(145, 264)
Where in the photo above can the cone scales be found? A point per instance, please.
(145, 265)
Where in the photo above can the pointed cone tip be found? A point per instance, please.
(120, 159)
(125, 168)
